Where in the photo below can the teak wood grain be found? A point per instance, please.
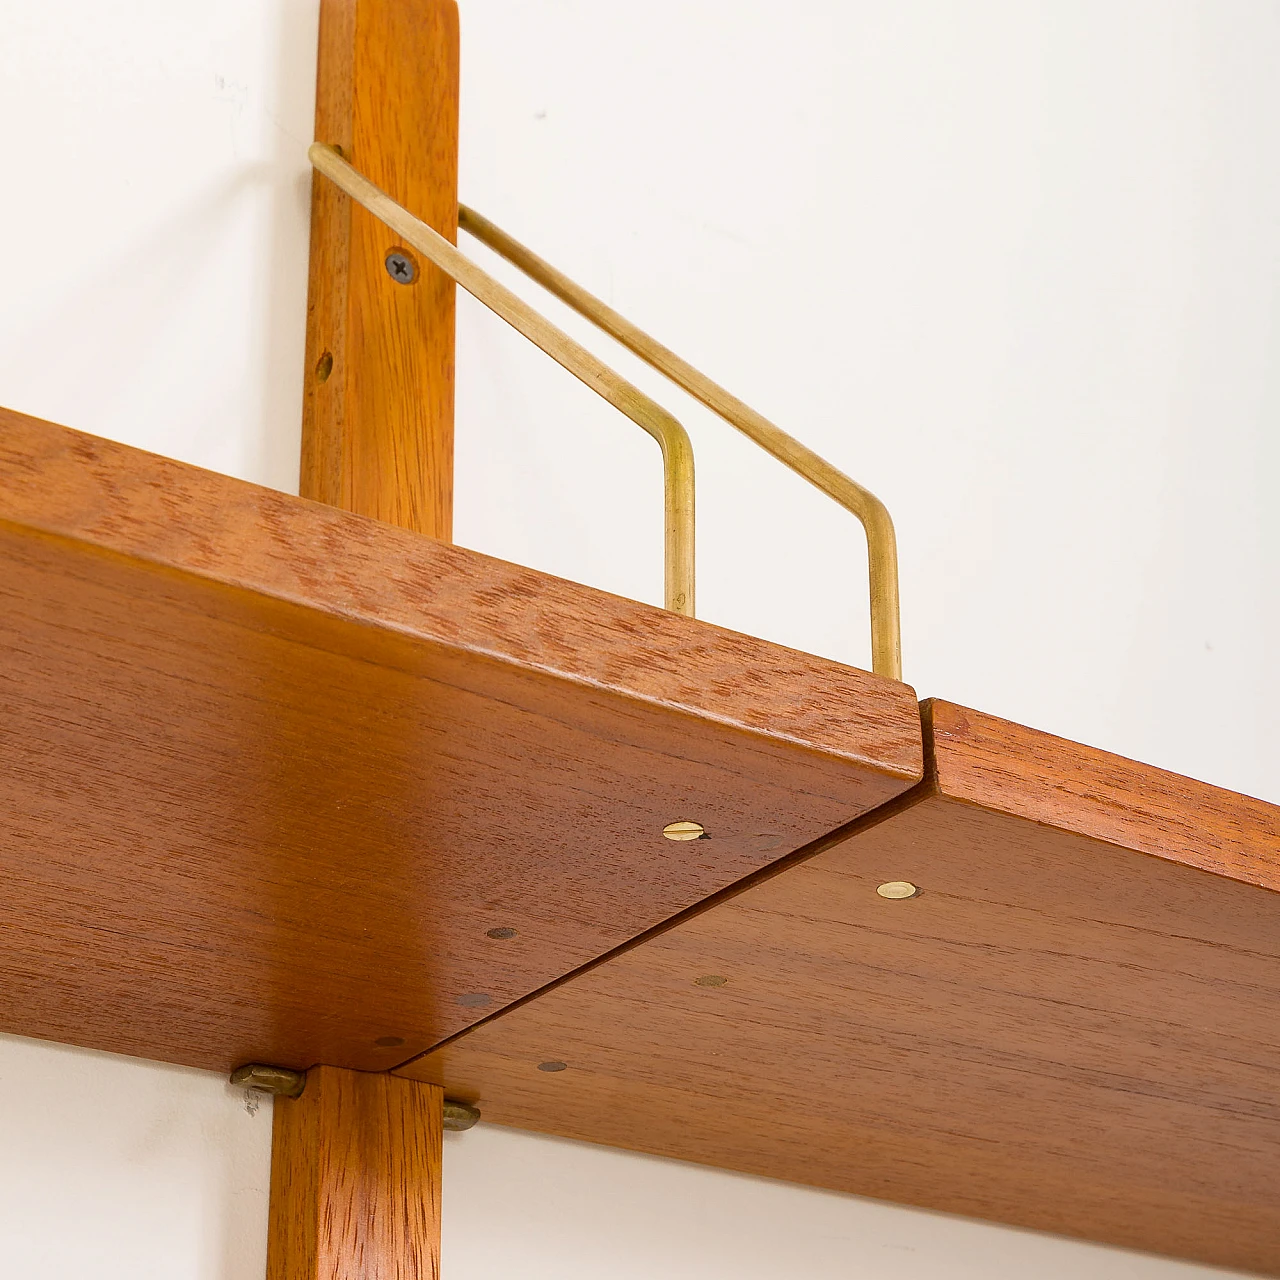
(1073, 1027)
(377, 427)
(273, 771)
(355, 1180)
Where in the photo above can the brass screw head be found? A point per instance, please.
(711, 980)
(897, 889)
(684, 830)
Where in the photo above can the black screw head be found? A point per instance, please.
(501, 934)
(401, 267)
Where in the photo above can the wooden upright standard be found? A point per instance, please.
(377, 427)
(355, 1180)
(355, 1177)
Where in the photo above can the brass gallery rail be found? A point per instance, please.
(677, 453)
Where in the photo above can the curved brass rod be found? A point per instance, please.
(677, 451)
(882, 544)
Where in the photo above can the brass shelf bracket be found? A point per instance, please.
(284, 1082)
(882, 547)
(677, 451)
(882, 543)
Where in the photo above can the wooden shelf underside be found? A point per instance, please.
(1073, 1027)
(272, 773)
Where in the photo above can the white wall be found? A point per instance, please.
(1014, 266)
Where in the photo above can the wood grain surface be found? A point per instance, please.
(1016, 770)
(355, 1180)
(274, 772)
(1073, 1027)
(377, 434)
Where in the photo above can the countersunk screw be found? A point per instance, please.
(400, 267)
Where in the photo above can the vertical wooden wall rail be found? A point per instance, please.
(377, 427)
(355, 1165)
(355, 1180)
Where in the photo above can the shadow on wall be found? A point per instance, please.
(286, 244)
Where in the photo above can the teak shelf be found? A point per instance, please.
(1071, 1027)
(273, 771)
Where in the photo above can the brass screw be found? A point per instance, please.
(684, 831)
(897, 889)
(710, 980)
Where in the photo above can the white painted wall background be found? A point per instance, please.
(1015, 266)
